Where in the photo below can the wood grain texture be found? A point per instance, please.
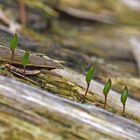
(39, 115)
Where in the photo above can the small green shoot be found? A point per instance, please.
(106, 90)
(25, 60)
(13, 45)
(124, 98)
(89, 77)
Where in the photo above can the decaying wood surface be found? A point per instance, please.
(24, 110)
(21, 71)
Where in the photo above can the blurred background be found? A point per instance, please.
(105, 33)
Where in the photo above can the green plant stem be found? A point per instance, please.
(123, 113)
(105, 102)
(85, 93)
(12, 58)
(24, 68)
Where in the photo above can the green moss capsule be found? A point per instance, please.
(124, 98)
(106, 90)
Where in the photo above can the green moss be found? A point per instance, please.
(60, 86)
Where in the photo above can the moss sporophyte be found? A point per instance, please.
(89, 77)
(106, 90)
(13, 45)
(25, 61)
(124, 98)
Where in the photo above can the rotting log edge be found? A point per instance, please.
(90, 121)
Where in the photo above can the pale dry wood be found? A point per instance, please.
(21, 71)
(55, 118)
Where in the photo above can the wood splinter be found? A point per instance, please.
(21, 71)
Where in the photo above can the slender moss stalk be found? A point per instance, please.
(105, 102)
(25, 61)
(24, 70)
(12, 58)
(89, 77)
(123, 110)
(86, 92)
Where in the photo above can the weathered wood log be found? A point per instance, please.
(29, 113)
